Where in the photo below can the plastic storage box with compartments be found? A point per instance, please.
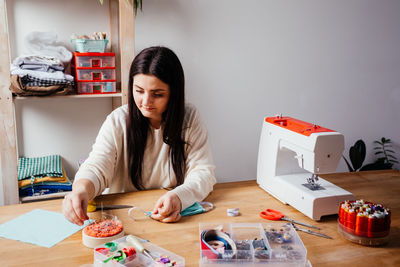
(103, 256)
(250, 244)
(94, 72)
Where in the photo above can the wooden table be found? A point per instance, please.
(182, 238)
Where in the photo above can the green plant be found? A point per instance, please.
(384, 150)
(136, 4)
(357, 155)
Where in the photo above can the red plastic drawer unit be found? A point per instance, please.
(95, 60)
(96, 87)
(94, 72)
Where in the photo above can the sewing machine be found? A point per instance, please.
(292, 154)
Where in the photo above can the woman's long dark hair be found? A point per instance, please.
(165, 65)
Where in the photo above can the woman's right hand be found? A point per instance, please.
(74, 206)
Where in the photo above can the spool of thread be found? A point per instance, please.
(129, 251)
(111, 245)
(217, 245)
(233, 212)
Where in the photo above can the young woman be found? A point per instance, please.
(156, 141)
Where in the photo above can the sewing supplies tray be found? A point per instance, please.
(139, 260)
(250, 244)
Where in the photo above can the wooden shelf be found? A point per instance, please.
(122, 42)
(118, 94)
(43, 197)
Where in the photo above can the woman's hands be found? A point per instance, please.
(75, 204)
(74, 207)
(167, 208)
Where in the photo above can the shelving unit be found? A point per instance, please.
(119, 95)
(122, 43)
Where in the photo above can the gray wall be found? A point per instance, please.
(333, 63)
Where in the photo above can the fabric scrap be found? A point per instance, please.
(39, 227)
(39, 167)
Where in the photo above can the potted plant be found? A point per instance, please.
(383, 149)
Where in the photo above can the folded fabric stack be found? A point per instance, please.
(42, 175)
(38, 75)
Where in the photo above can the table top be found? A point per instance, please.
(182, 238)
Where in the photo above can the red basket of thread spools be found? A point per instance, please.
(364, 222)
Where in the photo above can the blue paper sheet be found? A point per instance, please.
(39, 227)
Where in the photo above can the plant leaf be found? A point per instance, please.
(357, 154)
(377, 142)
(378, 152)
(348, 165)
(137, 4)
(391, 151)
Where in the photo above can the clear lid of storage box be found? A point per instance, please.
(250, 244)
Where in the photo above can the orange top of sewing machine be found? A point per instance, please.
(301, 127)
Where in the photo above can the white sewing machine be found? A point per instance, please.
(292, 154)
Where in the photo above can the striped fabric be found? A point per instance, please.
(29, 80)
(29, 168)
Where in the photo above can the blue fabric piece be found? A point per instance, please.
(47, 183)
(39, 227)
(44, 189)
(196, 208)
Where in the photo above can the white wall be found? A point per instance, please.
(333, 63)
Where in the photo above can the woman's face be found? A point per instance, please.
(151, 96)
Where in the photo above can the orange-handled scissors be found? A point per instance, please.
(275, 215)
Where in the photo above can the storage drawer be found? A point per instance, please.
(95, 74)
(96, 87)
(95, 60)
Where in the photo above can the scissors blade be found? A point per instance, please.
(304, 224)
(113, 207)
(313, 233)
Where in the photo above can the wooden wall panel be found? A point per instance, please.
(126, 43)
(8, 141)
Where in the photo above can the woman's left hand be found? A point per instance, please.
(167, 208)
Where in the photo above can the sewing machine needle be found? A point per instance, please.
(304, 224)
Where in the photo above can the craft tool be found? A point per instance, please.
(310, 231)
(275, 215)
(92, 207)
(138, 246)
